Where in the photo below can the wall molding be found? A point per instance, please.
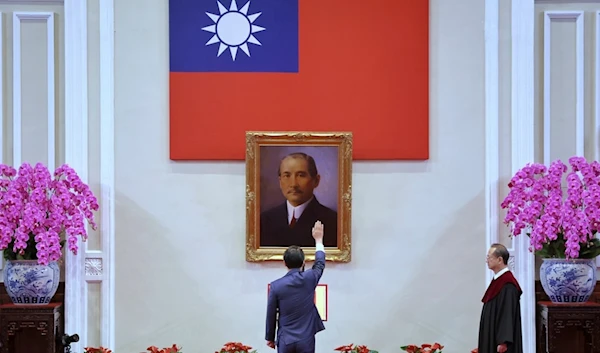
(578, 16)
(523, 146)
(76, 155)
(492, 125)
(107, 169)
(19, 17)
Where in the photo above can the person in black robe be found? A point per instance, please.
(500, 325)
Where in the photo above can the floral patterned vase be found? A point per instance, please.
(568, 281)
(29, 283)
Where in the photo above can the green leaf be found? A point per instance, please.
(590, 250)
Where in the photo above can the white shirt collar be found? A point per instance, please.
(296, 211)
(501, 272)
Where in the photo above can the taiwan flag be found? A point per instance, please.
(290, 65)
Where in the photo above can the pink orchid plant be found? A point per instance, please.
(559, 225)
(40, 212)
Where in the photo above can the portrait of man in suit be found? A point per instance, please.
(289, 220)
(294, 179)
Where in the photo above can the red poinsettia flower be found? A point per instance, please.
(346, 348)
(411, 348)
(233, 347)
(424, 348)
(351, 348)
(172, 349)
(362, 349)
(96, 350)
(437, 346)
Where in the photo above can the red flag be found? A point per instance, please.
(362, 67)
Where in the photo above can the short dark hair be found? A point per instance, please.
(293, 257)
(312, 166)
(501, 251)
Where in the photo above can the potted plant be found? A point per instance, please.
(39, 214)
(173, 349)
(349, 348)
(561, 222)
(423, 348)
(235, 347)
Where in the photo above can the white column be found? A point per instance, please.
(523, 148)
(522, 262)
(107, 170)
(492, 125)
(76, 155)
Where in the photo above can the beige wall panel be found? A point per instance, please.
(34, 121)
(567, 84)
(32, 89)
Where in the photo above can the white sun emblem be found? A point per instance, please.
(233, 29)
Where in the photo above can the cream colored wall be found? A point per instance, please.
(417, 273)
(568, 69)
(30, 108)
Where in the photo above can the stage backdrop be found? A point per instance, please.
(289, 65)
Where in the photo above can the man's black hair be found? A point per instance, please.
(501, 251)
(293, 257)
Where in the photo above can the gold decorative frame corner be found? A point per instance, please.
(256, 139)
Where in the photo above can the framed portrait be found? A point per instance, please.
(294, 179)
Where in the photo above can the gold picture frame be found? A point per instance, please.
(330, 192)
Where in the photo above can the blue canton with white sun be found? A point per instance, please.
(233, 29)
(233, 36)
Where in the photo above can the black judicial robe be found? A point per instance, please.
(501, 316)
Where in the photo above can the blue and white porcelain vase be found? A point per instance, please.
(29, 283)
(568, 281)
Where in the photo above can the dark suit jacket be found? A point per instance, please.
(275, 230)
(293, 297)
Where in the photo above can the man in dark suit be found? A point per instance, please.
(291, 307)
(291, 222)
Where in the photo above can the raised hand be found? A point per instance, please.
(317, 231)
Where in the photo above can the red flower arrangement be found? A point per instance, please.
(172, 349)
(235, 347)
(96, 350)
(349, 348)
(424, 348)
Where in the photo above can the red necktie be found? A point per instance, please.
(293, 222)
